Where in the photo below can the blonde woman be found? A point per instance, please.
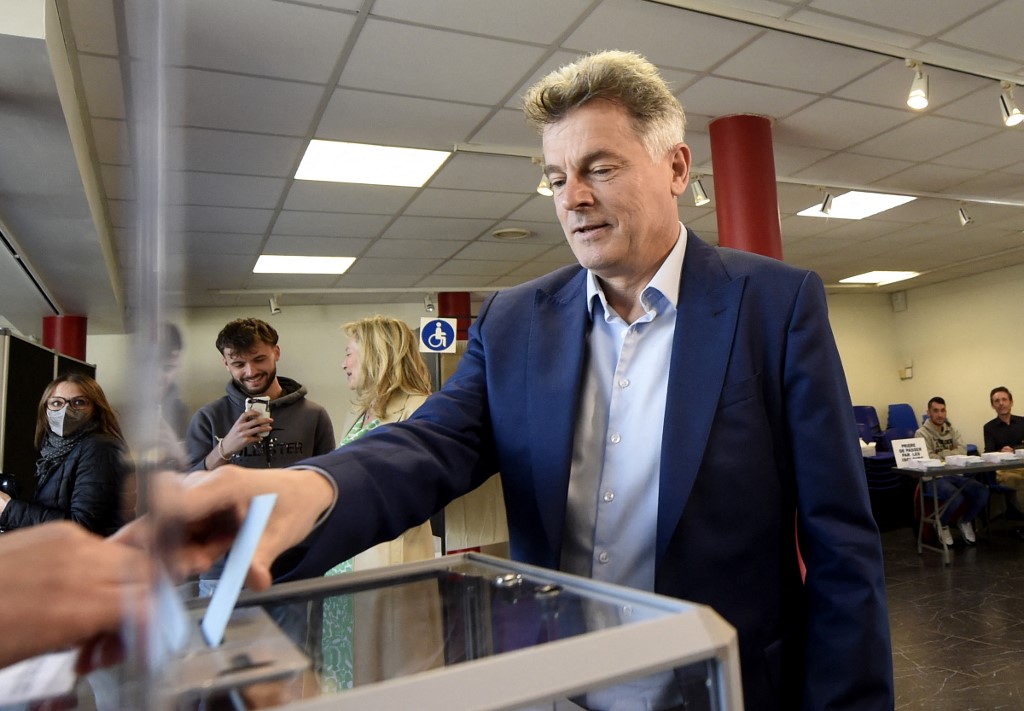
(384, 369)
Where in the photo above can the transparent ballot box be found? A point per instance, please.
(469, 632)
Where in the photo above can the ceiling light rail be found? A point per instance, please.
(834, 36)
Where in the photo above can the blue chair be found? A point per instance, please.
(902, 415)
(868, 427)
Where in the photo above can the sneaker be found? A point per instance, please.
(967, 531)
(945, 535)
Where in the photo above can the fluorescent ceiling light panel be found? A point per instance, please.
(285, 264)
(856, 205)
(879, 278)
(338, 162)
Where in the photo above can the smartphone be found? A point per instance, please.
(261, 405)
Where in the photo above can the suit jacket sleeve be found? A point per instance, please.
(396, 477)
(849, 657)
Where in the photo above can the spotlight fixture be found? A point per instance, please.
(826, 204)
(965, 219)
(428, 304)
(275, 309)
(1011, 112)
(544, 187)
(700, 197)
(918, 97)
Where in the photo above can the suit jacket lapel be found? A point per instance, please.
(555, 356)
(709, 302)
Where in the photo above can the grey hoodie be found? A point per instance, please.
(302, 429)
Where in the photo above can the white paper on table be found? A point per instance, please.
(42, 677)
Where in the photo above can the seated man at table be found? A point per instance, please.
(1005, 433)
(942, 440)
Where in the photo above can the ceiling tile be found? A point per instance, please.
(525, 20)
(924, 138)
(329, 224)
(274, 39)
(93, 26)
(722, 97)
(443, 228)
(413, 248)
(417, 61)
(319, 196)
(206, 99)
(821, 67)
(371, 117)
(994, 31)
(101, 77)
(315, 246)
(470, 203)
(837, 124)
(472, 171)
(206, 150)
(223, 189)
(202, 218)
(667, 36)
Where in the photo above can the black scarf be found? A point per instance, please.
(56, 449)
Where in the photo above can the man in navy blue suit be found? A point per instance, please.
(660, 414)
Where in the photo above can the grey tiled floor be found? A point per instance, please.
(957, 630)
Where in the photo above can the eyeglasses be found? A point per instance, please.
(76, 403)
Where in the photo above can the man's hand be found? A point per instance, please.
(64, 586)
(249, 428)
(4, 499)
(196, 523)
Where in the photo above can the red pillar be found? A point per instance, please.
(455, 304)
(746, 199)
(65, 334)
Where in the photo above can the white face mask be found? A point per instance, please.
(62, 423)
(56, 420)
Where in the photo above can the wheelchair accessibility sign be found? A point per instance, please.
(437, 335)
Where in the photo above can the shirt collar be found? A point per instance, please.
(665, 281)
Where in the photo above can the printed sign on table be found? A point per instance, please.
(907, 450)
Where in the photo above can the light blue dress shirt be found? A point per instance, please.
(612, 513)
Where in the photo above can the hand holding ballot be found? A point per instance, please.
(197, 522)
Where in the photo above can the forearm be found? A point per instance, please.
(217, 457)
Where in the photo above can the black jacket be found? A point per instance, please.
(86, 488)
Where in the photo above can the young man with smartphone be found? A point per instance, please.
(264, 420)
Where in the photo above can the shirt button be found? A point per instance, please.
(615, 438)
(624, 383)
(609, 496)
(603, 557)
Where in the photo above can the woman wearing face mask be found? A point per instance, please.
(83, 467)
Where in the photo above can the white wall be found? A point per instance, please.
(963, 336)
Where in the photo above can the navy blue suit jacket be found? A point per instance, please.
(757, 446)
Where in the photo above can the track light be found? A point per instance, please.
(826, 204)
(275, 309)
(1011, 112)
(544, 186)
(700, 197)
(965, 219)
(428, 304)
(918, 97)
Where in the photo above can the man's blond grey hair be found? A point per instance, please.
(624, 78)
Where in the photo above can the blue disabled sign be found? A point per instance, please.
(437, 335)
